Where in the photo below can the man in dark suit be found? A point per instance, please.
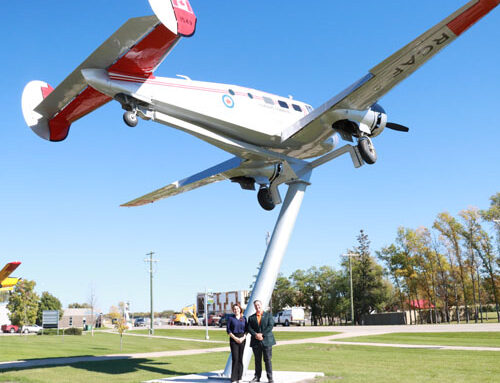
(260, 327)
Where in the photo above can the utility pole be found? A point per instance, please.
(151, 261)
(206, 314)
(350, 255)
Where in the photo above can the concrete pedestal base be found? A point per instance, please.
(214, 377)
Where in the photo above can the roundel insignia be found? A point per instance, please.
(228, 101)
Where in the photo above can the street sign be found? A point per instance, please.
(50, 319)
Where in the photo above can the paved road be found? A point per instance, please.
(346, 332)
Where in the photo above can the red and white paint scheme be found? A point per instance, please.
(270, 136)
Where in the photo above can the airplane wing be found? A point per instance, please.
(135, 49)
(9, 282)
(7, 270)
(216, 173)
(390, 72)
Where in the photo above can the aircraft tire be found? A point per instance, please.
(367, 150)
(130, 119)
(265, 199)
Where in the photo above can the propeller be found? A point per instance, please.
(398, 127)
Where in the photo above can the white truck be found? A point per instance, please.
(288, 316)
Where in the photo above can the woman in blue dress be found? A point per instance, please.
(237, 330)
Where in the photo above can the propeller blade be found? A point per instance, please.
(398, 127)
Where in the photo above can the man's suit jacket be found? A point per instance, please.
(265, 328)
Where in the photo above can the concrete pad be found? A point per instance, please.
(214, 377)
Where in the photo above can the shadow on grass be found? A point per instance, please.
(104, 365)
(125, 366)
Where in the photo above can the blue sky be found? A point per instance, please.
(59, 202)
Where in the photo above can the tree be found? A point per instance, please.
(471, 234)
(485, 251)
(48, 302)
(370, 291)
(283, 294)
(114, 313)
(77, 305)
(451, 230)
(493, 215)
(121, 326)
(307, 294)
(23, 303)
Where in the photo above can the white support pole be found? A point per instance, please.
(264, 285)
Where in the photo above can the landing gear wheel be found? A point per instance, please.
(130, 119)
(265, 199)
(367, 150)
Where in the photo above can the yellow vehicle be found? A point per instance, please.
(187, 316)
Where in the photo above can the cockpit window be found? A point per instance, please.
(283, 104)
(268, 100)
(309, 108)
(297, 107)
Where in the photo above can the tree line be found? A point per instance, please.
(26, 306)
(448, 272)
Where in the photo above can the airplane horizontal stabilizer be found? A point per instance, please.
(9, 282)
(135, 49)
(208, 176)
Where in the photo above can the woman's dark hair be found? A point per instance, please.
(241, 310)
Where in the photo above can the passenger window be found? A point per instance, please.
(250, 95)
(231, 92)
(297, 108)
(283, 104)
(268, 100)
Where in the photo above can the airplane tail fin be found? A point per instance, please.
(136, 49)
(8, 269)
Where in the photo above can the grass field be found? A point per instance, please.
(349, 363)
(222, 335)
(36, 347)
(470, 339)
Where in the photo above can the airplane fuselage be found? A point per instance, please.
(246, 114)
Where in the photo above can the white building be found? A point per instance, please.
(222, 301)
(4, 314)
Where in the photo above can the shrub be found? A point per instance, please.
(73, 331)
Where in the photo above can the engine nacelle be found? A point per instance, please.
(369, 122)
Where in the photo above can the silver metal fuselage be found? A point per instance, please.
(231, 111)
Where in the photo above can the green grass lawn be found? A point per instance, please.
(35, 347)
(349, 363)
(470, 339)
(222, 335)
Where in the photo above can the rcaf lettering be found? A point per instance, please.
(423, 52)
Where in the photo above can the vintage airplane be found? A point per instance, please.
(7, 283)
(270, 136)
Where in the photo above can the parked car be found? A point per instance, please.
(223, 320)
(10, 328)
(139, 322)
(293, 315)
(31, 328)
(213, 320)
